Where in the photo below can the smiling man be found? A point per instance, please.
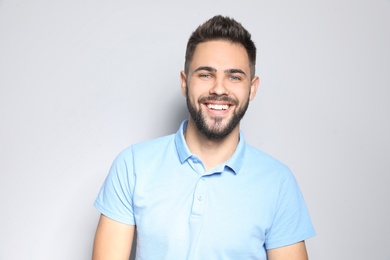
(204, 193)
(222, 88)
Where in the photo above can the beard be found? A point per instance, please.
(218, 129)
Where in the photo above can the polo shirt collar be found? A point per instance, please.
(235, 162)
(181, 145)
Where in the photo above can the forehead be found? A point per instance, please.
(220, 54)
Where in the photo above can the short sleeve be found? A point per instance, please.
(291, 222)
(115, 199)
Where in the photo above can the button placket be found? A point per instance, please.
(199, 201)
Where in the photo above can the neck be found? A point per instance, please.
(211, 152)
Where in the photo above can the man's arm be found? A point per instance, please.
(113, 240)
(292, 252)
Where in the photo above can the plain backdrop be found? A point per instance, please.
(80, 80)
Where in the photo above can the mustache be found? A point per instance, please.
(219, 99)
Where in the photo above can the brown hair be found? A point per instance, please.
(221, 28)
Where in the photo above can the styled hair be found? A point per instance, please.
(221, 28)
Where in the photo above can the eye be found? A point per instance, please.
(204, 75)
(234, 78)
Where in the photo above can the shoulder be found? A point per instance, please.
(258, 157)
(147, 148)
(264, 166)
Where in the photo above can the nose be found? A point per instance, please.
(219, 88)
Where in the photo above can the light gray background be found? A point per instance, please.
(81, 80)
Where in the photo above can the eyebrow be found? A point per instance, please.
(234, 71)
(207, 68)
(211, 69)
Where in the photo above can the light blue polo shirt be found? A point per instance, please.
(237, 210)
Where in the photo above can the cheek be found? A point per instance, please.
(192, 94)
(192, 99)
(198, 86)
(244, 98)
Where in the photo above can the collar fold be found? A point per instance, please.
(234, 163)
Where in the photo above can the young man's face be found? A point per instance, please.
(218, 87)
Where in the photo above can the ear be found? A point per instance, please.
(183, 83)
(254, 85)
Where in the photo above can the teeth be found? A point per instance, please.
(217, 107)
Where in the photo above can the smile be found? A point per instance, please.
(217, 106)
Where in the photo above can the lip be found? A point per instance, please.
(216, 108)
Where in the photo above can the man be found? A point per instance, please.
(203, 193)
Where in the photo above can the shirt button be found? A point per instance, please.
(200, 198)
(203, 179)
